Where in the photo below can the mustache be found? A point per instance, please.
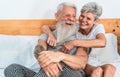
(69, 22)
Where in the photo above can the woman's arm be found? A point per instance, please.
(89, 69)
(48, 29)
(100, 41)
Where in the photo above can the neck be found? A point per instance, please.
(85, 31)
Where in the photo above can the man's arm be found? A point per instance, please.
(77, 61)
(42, 43)
(52, 69)
(40, 47)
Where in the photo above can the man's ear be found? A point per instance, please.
(56, 16)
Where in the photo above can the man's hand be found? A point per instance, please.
(47, 57)
(52, 40)
(67, 47)
(52, 70)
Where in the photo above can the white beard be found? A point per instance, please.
(64, 32)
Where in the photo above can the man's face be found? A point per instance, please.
(66, 23)
(67, 16)
(86, 21)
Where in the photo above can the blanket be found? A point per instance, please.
(19, 50)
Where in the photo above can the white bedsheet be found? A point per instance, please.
(106, 55)
(17, 49)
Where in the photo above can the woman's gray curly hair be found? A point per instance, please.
(94, 8)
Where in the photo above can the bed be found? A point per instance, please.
(19, 37)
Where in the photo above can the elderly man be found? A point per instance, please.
(53, 62)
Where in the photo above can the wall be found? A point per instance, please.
(44, 9)
(14, 12)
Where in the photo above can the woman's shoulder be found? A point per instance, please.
(98, 28)
(97, 25)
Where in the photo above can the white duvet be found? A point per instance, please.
(106, 55)
(17, 49)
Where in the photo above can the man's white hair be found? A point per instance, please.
(60, 6)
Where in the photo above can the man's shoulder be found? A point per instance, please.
(43, 36)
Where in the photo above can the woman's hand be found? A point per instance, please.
(52, 40)
(67, 47)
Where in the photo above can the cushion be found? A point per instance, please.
(18, 49)
(108, 54)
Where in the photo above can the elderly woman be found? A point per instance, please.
(91, 35)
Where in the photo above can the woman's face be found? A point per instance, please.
(86, 21)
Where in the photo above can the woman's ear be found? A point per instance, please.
(96, 21)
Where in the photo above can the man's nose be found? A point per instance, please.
(72, 18)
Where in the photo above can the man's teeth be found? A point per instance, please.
(69, 23)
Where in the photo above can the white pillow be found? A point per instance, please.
(18, 49)
(108, 54)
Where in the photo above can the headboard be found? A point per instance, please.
(33, 27)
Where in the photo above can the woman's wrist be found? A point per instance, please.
(50, 33)
(74, 43)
